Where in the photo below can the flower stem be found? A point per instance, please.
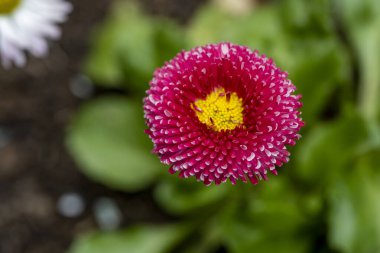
(370, 81)
(369, 91)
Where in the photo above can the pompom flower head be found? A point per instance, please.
(222, 112)
(25, 25)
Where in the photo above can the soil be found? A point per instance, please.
(36, 106)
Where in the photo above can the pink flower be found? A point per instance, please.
(222, 112)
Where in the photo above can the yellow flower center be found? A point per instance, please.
(7, 6)
(220, 110)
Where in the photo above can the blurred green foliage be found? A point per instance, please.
(327, 199)
(130, 46)
(110, 144)
(153, 239)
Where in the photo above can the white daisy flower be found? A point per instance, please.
(25, 25)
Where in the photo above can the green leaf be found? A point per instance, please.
(184, 196)
(318, 68)
(268, 244)
(168, 40)
(123, 43)
(267, 207)
(354, 217)
(268, 218)
(142, 239)
(325, 151)
(213, 25)
(130, 45)
(361, 21)
(307, 17)
(107, 140)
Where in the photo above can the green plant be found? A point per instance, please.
(325, 199)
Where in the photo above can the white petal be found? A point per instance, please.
(29, 27)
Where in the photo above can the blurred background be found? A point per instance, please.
(76, 171)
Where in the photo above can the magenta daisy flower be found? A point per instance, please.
(222, 112)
